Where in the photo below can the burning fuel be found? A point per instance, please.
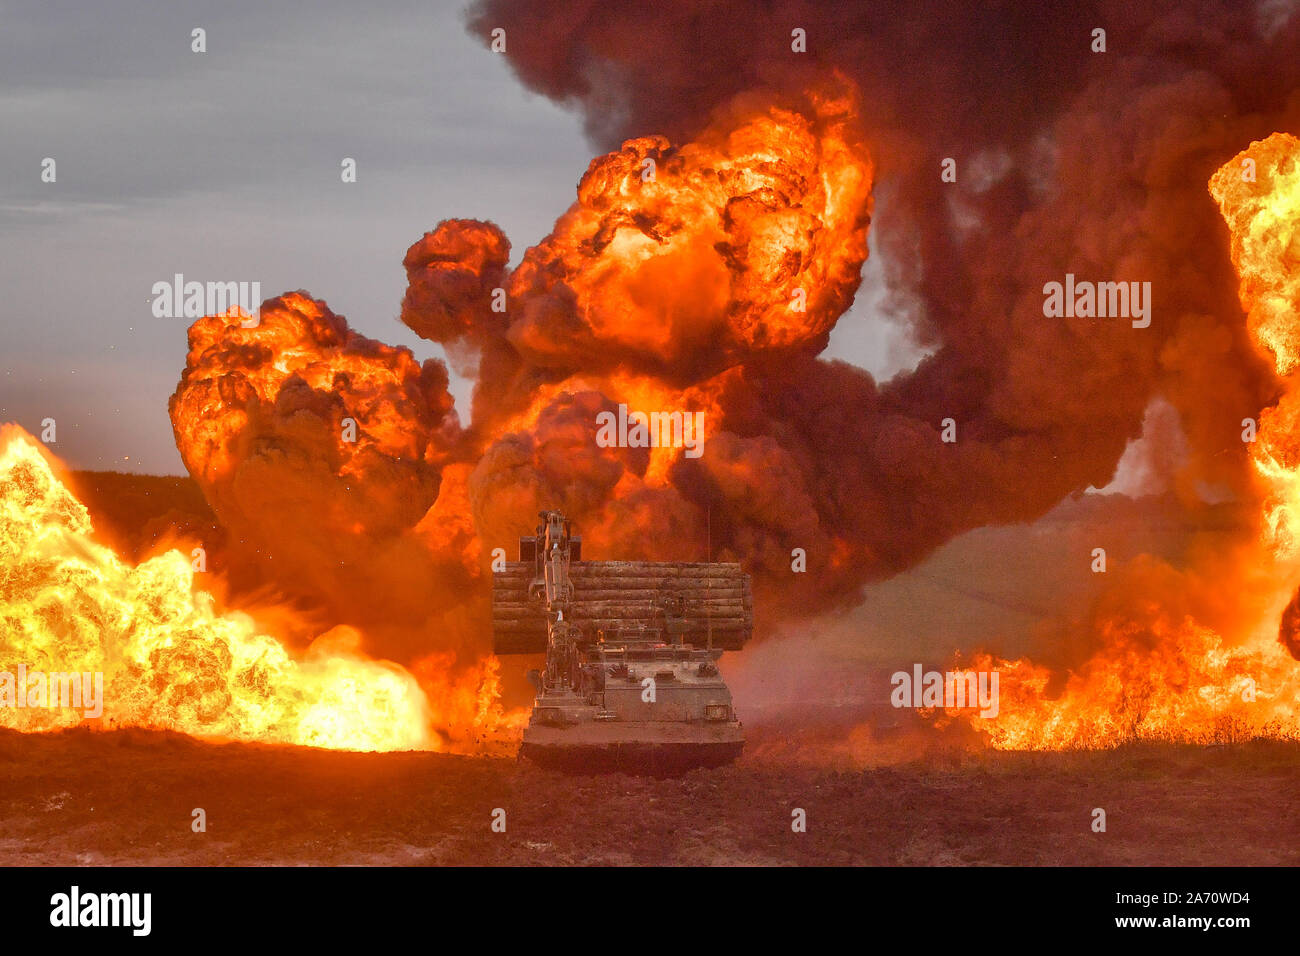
(165, 658)
(1161, 675)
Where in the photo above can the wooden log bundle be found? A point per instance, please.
(613, 595)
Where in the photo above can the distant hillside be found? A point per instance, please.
(136, 513)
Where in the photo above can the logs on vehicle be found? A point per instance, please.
(612, 595)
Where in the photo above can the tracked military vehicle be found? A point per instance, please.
(631, 678)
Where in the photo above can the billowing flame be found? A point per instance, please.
(1160, 680)
(397, 404)
(1259, 194)
(687, 260)
(1162, 674)
(168, 659)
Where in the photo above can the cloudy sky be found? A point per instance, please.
(225, 165)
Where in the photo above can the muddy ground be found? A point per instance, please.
(126, 797)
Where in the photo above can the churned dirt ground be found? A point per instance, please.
(126, 797)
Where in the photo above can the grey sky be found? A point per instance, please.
(225, 166)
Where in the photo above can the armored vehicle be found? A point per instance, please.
(631, 678)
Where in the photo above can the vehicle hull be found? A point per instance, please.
(633, 746)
